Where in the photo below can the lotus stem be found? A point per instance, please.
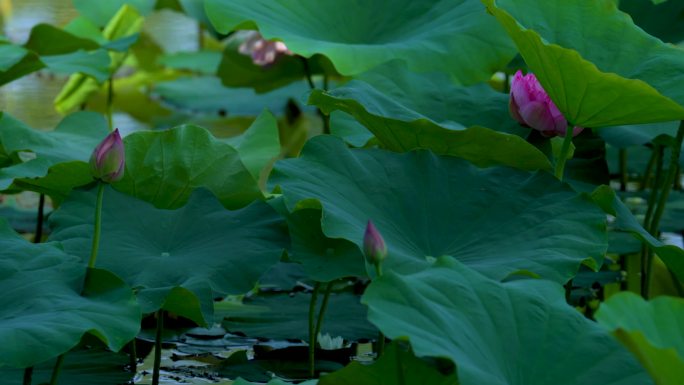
(158, 347)
(381, 337)
(133, 355)
(28, 375)
(321, 312)
(110, 102)
(649, 169)
(623, 169)
(652, 198)
(39, 220)
(312, 85)
(57, 369)
(98, 225)
(662, 202)
(312, 330)
(563, 157)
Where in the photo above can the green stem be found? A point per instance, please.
(28, 375)
(158, 347)
(57, 369)
(381, 337)
(662, 202)
(321, 312)
(110, 103)
(133, 355)
(653, 196)
(623, 169)
(98, 225)
(312, 85)
(312, 330)
(307, 73)
(563, 157)
(39, 220)
(649, 170)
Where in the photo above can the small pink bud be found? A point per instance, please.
(108, 159)
(532, 107)
(374, 246)
(263, 52)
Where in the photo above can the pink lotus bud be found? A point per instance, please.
(532, 107)
(374, 246)
(263, 52)
(108, 159)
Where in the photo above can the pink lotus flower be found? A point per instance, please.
(108, 159)
(263, 52)
(532, 107)
(374, 247)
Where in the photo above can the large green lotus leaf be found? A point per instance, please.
(521, 332)
(10, 55)
(80, 367)
(324, 259)
(164, 167)
(660, 18)
(94, 63)
(57, 49)
(397, 365)
(176, 259)
(673, 256)
(100, 12)
(202, 62)
(59, 158)
(429, 35)
(498, 220)
(47, 307)
(206, 94)
(348, 128)
(49, 40)
(404, 112)
(283, 316)
(637, 135)
(653, 330)
(597, 66)
(16, 62)
(259, 145)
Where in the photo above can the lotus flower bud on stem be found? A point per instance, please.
(531, 106)
(374, 247)
(263, 52)
(108, 159)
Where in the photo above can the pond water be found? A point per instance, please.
(30, 98)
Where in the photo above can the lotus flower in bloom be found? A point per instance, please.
(532, 107)
(263, 52)
(374, 247)
(108, 159)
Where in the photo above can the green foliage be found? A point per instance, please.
(497, 333)
(279, 316)
(423, 33)
(177, 260)
(59, 158)
(50, 303)
(453, 209)
(598, 67)
(397, 365)
(651, 330)
(401, 109)
(165, 167)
